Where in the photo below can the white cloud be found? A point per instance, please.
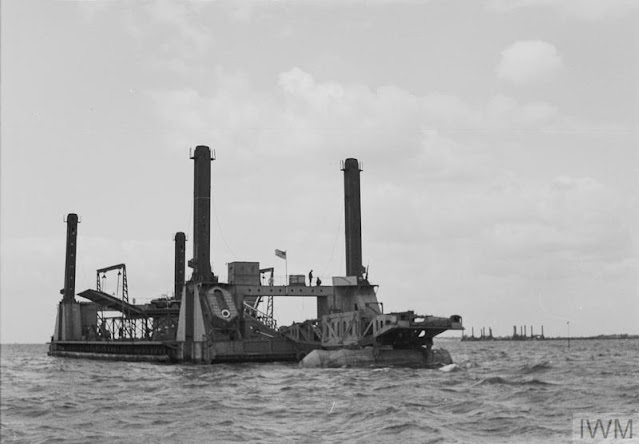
(567, 223)
(590, 10)
(331, 117)
(168, 35)
(91, 9)
(170, 32)
(424, 137)
(529, 61)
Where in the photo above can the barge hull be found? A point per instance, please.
(143, 351)
(111, 356)
(376, 357)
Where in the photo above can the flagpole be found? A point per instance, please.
(282, 255)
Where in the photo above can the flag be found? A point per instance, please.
(280, 254)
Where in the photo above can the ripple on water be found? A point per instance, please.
(503, 392)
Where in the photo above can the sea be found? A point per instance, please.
(501, 391)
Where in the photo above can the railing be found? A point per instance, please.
(260, 316)
(308, 331)
(341, 329)
(114, 329)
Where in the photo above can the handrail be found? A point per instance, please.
(260, 316)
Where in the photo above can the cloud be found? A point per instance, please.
(441, 187)
(172, 34)
(590, 10)
(330, 118)
(529, 61)
(173, 29)
(434, 140)
(566, 224)
(92, 9)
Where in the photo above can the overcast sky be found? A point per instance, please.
(498, 140)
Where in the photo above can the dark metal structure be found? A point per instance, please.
(353, 217)
(68, 292)
(67, 321)
(208, 321)
(180, 254)
(201, 262)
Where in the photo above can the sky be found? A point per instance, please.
(498, 141)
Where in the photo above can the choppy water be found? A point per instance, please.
(503, 392)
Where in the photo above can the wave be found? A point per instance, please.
(492, 380)
(496, 380)
(535, 368)
(490, 399)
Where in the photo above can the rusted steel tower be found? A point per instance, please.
(353, 217)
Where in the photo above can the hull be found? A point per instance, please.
(273, 350)
(376, 357)
(134, 351)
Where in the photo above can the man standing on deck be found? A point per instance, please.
(310, 278)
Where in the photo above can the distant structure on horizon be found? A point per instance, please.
(523, 335)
